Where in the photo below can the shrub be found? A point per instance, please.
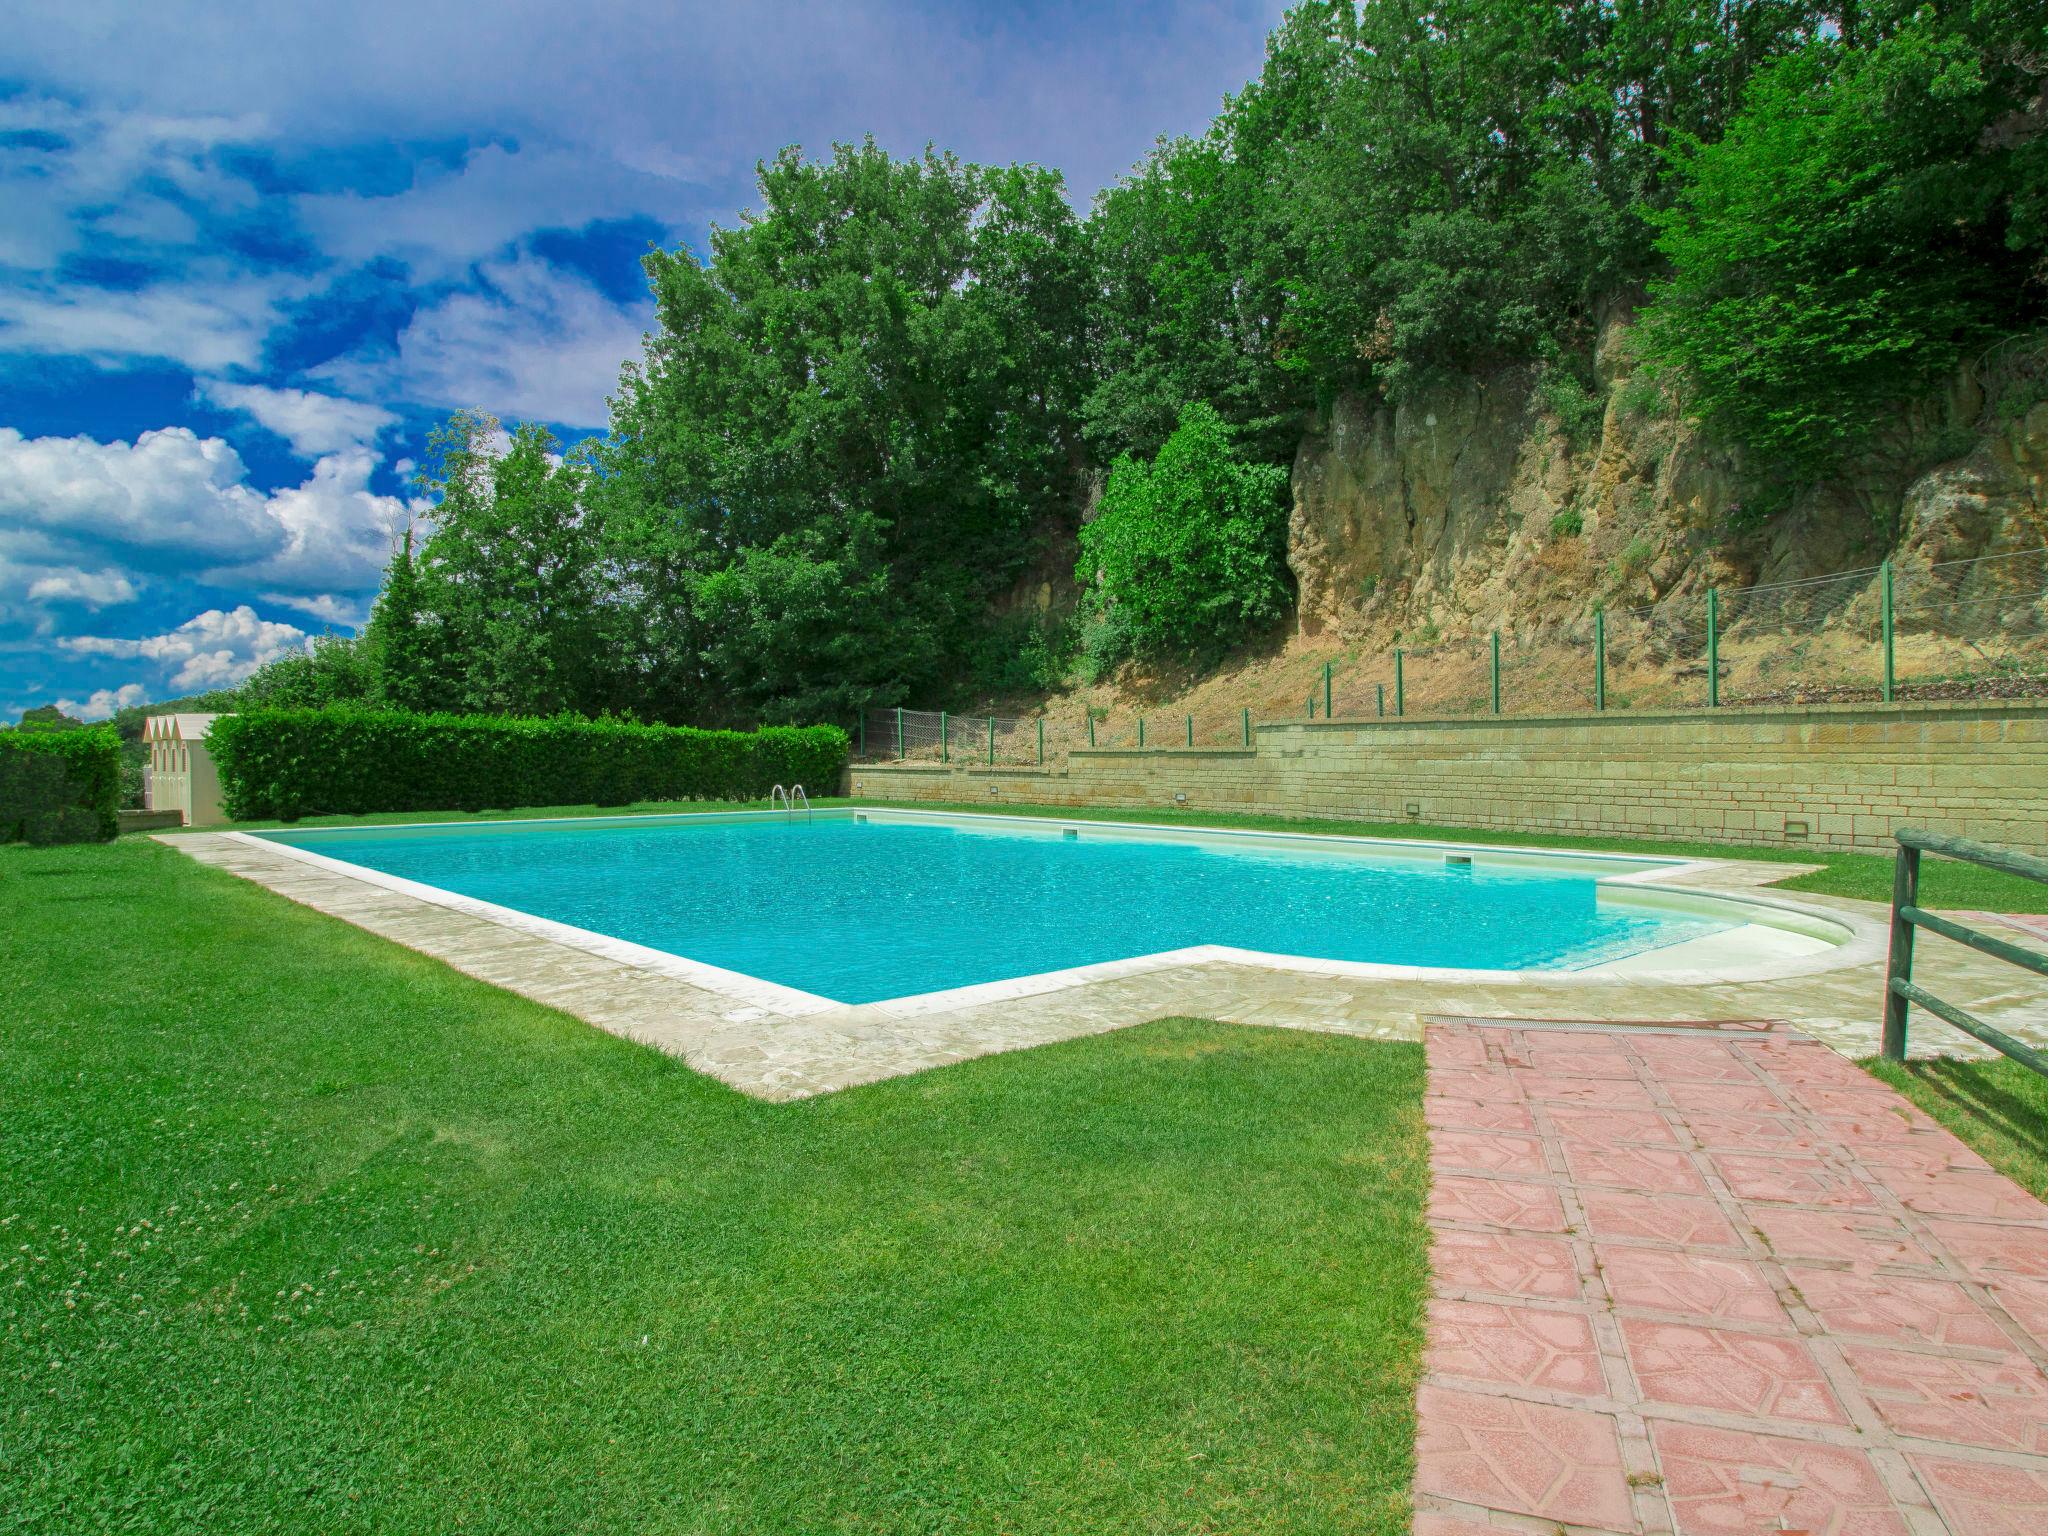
(1568, 524)
(288, 763)
(59, 786)
(1188, 551)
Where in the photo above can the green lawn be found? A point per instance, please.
(1943, 882)
(1998, 1107)
(302, 1232)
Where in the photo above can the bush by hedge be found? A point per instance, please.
(59, 786)
(288, 763)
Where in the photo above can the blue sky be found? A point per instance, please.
(250, 254)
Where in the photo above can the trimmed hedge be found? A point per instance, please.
(59, 786)
(288, 763)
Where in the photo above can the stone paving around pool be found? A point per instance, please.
(790, 1055)
(1714, 1281)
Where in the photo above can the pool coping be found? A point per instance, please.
(1865, 939)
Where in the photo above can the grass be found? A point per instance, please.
(1868, 876)
(300, 1231)
(1999, 1107)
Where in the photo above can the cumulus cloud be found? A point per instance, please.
(102, 703)
(533, 342)
(313, 424)
(173, 500)
(215, 649)
(341, 612)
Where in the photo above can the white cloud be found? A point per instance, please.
(203, 323)
(175, 500)
(215, 649)
(535, 344)
(342, 612)
(170, 490)
(103, 702)
(313, 424)
(453, 216)
(94, 589)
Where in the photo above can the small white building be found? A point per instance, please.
(179, 774)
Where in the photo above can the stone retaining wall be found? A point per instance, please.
(1831, 776)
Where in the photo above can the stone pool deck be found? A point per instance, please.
(1719, 1281)
(768, 1050)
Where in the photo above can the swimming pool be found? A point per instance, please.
(861, 906)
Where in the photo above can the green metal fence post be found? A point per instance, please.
(1091, 728)
(1496, 671)
(944, 749)
(1041, 741)
(1888, 633)
(1713, 647)
(991, 741)
(1247, 727)
(1905, 893)
(1191, 730)
(1600, 659)
(1379, 699)
(899, 733)
(1326, 690)
(1400, 685)
(1141, 730)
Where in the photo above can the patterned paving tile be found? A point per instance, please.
(1505, 1264)
(1477, 1114)
(1970, 1192)
(1614, 1213)
(1599, 1092)
(1725, 1098)
(1516, 1346)
(1648, 1170)
(1989, 1252)
(1901, 1307)
(1494, 1202)
(2001, 1405)
(1706, 1286)
(1758, 1418)
(1731, 1483)
(1986, 1500)
(1610, 1126)
(2026, 1302)
(1858, 1239)
(1488, 1152)
(1527, 1458)
(1746, 1373)
(1737, 1131)
(1792, 1181)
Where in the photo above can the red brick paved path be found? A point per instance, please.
(1717, 1282)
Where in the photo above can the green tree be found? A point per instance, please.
(1872, 216)
(395, 639)
(854, 426)
(511, 592)
(1186, 552)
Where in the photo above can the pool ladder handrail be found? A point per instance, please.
(788, 798)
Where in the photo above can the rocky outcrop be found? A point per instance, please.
(1469, 506)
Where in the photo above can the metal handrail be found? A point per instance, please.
(1900, 992)
(796, 793)
(778, 793)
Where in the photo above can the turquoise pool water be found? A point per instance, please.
(864, 911)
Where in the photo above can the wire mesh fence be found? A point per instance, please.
(1911, 629)
(1974, 628)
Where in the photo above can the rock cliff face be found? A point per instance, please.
(1470, 507)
